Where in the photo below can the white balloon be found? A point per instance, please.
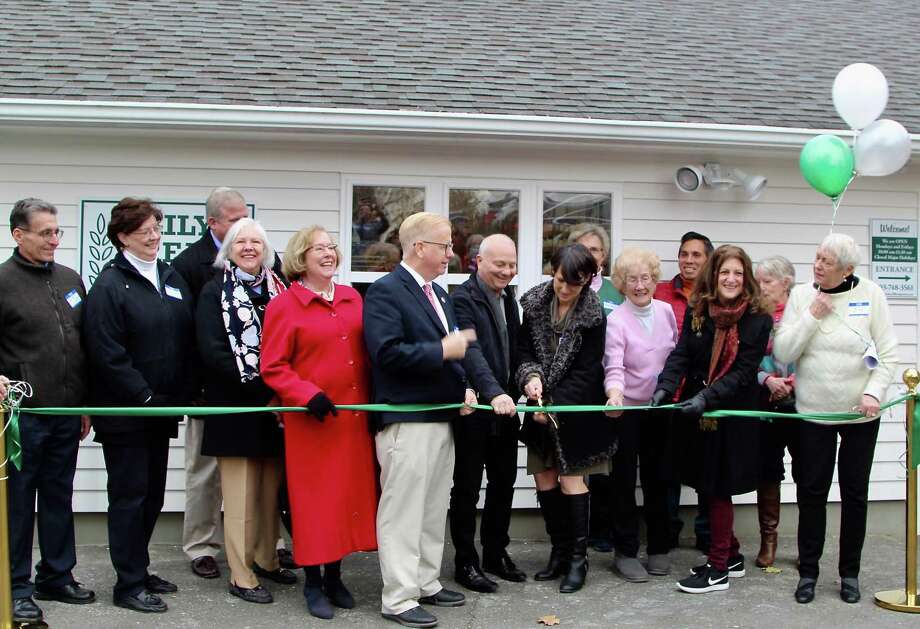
(882, 148)
(860, 94)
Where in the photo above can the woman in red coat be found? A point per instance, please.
(313, 355)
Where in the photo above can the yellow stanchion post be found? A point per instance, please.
(907, 600)
(6, 593)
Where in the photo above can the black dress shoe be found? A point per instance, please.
(849, 590)
(286, 559)
(444, 598)
(338, 594)
(805, 590)
(415, 617)
(504, 568)
(205, 567)
(142, 602)
(258, 594)
(72, 593)
(25, 610)
(472, 578)
(159, 585)
(278, 575)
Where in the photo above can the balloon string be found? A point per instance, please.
(835, 201)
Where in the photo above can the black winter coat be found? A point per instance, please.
(139, 342)
(573, 375)
(484, 362)
(41, 309)
(723, 462)
(243, 434)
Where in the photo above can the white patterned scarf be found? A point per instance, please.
(241, 320)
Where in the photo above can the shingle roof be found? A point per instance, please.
(759, 62)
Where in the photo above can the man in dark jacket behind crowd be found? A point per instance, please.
(40, 315)
(484, 303)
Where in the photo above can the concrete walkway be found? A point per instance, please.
(758, 600)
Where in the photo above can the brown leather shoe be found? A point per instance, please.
(768, 514)
(205, 567)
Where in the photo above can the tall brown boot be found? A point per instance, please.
(768, 514)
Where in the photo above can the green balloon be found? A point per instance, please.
(826, 163)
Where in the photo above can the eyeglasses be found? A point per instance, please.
(447, 246)
(633, 280)
(47, 234)
(321, 249)
(156, 230)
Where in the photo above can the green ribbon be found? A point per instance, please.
(14, 448)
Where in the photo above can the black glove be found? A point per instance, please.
(319, 406)
(659, 397)
(694, 407)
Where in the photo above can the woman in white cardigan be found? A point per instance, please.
(838, 331)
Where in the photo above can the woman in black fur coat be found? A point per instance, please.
(561, 347)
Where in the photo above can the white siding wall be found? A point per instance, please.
(296, 182)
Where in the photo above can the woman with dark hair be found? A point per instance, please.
(561, 349)
(138, 334)
(722, 341)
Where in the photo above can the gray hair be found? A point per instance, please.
(585, 229)
(779, 267)
(21, 216)
(223, 255)
(843, 248)
(218, 197)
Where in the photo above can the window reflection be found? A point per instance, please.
(562, 211)
(377, 213)
(476, 213)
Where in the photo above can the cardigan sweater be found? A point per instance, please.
(831, 375)
(633, 357)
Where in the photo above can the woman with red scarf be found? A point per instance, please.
(722, 341)
(776, 277)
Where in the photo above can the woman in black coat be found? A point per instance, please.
(561, 348)
(229, 318)
(138, 333)
(723, 339)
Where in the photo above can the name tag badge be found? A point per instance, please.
(172, 291)
(73, 298)
(858, 309)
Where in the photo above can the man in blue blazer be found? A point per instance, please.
(416, 350)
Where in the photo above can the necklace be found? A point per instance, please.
(325, 294)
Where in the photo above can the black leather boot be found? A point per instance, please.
(578, 559)
(556, 517)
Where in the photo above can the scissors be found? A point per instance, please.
(551, 416)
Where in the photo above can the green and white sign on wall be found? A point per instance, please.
(183, 224)
(894, 256)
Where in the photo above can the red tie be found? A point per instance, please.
(429, 293)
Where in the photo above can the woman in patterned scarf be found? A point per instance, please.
(722, 341)
(229, 318)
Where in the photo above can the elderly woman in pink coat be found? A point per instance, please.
(640, 335)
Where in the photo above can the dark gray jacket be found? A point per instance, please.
(41, 310)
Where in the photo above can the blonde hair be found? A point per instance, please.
(590, 229)
(293, 264)
(415, 226)
(631, 257)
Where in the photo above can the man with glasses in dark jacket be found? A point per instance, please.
(41, 309)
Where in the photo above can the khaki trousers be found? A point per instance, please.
(250, 515)
(202, 529)
(416, 470)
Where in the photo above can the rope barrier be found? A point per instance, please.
(13, 406)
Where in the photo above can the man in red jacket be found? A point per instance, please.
(694, 251)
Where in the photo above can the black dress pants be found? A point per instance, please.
(49, 459)
(490, 442)
(816, 451)
(136, 487)
(637, 438)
